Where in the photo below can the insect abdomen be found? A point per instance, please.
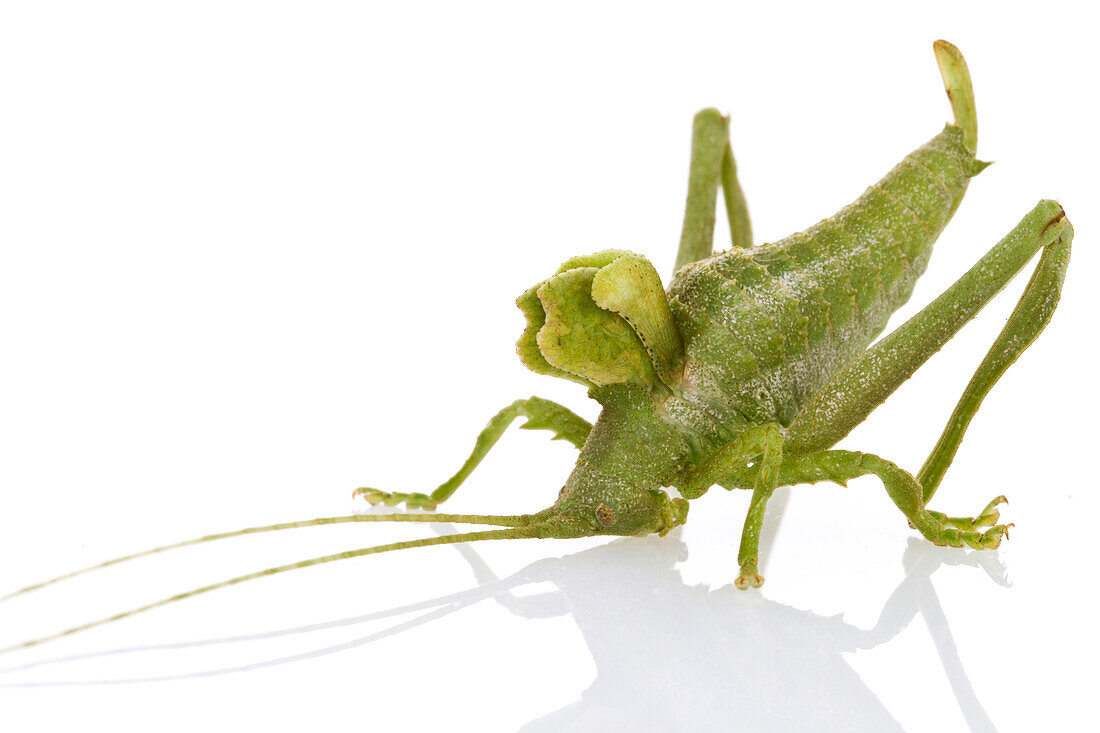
(770, 324)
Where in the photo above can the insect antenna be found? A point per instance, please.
(519, 520)
(496, 534)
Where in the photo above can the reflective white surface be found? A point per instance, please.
(606, 638)
(254, 256)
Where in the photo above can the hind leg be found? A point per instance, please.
(839, 466)
(850, 396)
(1028, 319)
(853, 393)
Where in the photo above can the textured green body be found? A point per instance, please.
(765, 327)
(762, 328)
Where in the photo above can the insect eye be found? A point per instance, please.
(606, 516)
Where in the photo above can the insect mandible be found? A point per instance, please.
(752, 364)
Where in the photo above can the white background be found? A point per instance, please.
(255, 255)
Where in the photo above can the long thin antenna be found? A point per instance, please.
(492, 520)
(496, 534)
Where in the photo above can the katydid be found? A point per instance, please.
(752, 364)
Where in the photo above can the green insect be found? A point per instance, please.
(752, 364)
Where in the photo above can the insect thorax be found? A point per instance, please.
(741, 338)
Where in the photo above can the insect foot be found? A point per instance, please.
(990, 539)
(750, 577)
(987, 518)
(375, 497)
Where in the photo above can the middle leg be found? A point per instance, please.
(764, 446)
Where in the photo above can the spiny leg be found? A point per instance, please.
(854, 392)
(839, 466)
(541, 415)
(764, 442)
(712, 164)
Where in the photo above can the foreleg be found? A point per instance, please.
(541, 415)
